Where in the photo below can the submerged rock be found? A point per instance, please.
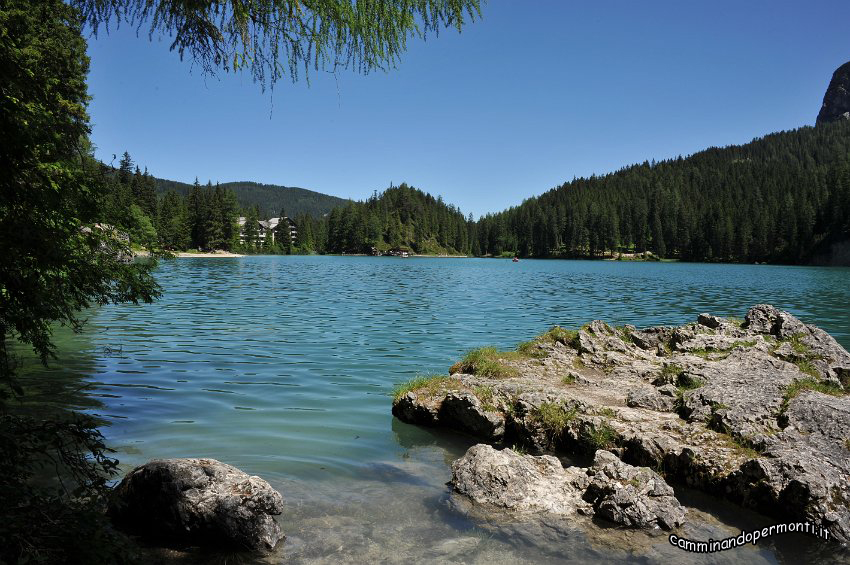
(754, 411)
(625, 495)
(198, 502)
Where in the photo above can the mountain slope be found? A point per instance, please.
(784, 198)
(270, 198)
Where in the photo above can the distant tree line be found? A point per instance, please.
(784, 198)
(205, 217)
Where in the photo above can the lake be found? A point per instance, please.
(285, 366)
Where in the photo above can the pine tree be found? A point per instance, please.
(197, 216)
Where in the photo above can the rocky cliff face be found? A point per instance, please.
(836, 101)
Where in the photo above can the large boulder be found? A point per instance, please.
(198, 502)
(523, 483)
(633, 497)
(451, 406)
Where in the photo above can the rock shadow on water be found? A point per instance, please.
(579, 539)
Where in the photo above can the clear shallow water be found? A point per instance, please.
(284, 367)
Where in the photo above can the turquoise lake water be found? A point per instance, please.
(284, 367)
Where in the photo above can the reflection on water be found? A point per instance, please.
(283, 366)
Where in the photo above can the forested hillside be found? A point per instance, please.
(782, 198)
(270, 199)
(399, 217)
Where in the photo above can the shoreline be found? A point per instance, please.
(227, 254)
(663, 398)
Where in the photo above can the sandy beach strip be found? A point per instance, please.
(216, 254)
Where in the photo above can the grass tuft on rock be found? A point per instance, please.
(684, 382)
(740, 446)
(554, 418)
(601, 436)
(670, 374)
(486, 396)
(807, 367)
(557, 334)
(795, 388)
(624, 333)
(796, 343)
(725, 351)
(487, 362)
(531, 349)
(428, 383)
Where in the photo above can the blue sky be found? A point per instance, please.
(533, 94)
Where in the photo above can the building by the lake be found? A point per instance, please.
(267, 228)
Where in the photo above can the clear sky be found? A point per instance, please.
(531, 95)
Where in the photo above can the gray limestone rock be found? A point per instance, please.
(836, 99)
(710, 321)
(731, 413)
(465, 412)
(651, 398)
(522, 483)
(416, 409)
(198, 502)
(766, 319)
(635, 497)
(629, 496)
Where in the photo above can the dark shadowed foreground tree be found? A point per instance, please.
(57, 256)
(57, 261)
(274, 39)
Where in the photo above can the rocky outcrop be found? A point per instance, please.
(197, 502)
(753, 410)
(634, 497)
(836, 101)
(610, 489)
(523, 483)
